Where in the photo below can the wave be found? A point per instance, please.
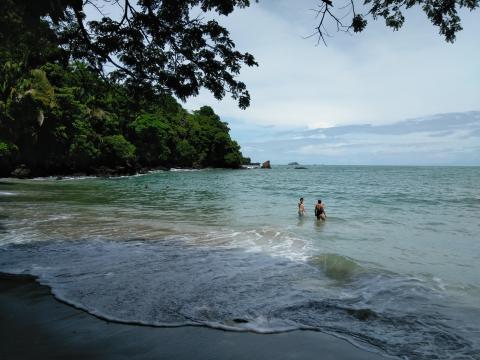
(184, 170)
(471, 201)
(335, 266)
(176, 281)
(419, 336)
(64, 178)
(268, 240)
(8, 193)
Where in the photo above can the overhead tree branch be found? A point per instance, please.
(86, 36)
(442, 13)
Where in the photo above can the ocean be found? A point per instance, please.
(394, 269)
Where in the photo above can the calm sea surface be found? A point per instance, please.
(394, 269)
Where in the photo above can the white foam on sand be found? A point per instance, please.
(266, 240)
(177, 170)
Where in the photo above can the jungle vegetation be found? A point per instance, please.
(81, 95)
(60, 115)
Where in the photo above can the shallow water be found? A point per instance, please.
(395, 268)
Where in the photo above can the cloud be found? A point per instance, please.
(345, 103)
(377, 77)
(436, 124)
(444, 139)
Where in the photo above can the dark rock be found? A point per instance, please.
(122, 170)
(162, 168)
(240, 321)
(21, 172)
(300, 167)
(266, 165)
(104, 171)
(362, 314)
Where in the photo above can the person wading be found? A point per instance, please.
(320, 211)
(301, 208)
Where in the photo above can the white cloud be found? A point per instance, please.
(379, 76)
(376, 77)
(446, 139)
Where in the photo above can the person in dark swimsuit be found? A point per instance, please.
(320, 211)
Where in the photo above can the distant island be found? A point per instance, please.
(293, 163)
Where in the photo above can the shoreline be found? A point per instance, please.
(113, 174)
(34, 324)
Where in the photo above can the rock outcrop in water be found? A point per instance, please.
(266, 165)
(21, 172)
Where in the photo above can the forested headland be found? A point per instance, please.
(65, 119)
(60, 116)
(97, 95)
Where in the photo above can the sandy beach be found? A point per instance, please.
(34, 325)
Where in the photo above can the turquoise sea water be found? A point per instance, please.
(395, 268)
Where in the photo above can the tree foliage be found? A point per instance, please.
(87, 125)
(345, 17)
(59, 117)
(76, 94)
(155, 45)
(161, 47)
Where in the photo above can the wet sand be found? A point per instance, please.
(34, 325)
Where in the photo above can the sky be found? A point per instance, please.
(443, 139)
(352, 102)
(378, 77)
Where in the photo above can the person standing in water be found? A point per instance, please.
(320, 211)
(301, 207)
